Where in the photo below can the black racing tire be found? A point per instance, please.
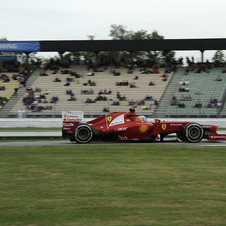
(180, 136)
(72, 138)
(83, 133)
(193, 132)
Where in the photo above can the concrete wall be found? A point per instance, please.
(57, 122)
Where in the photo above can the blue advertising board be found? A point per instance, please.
(4, 58)
(19, 46)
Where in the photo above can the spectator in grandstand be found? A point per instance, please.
(114, 73)
(89, 101)
(90, 73)
(15, 91)
(132, 85)
(43, 73)
(151, 83)
(149, 98)
(106, 109)
(23, 81)
(77, 81)
(54, 99)
(2, 88)
(38, 89)
(186, 82)
(174, 101)
(184, 89)
(69, 79)
(198, 105)
(181, 105)
(213, 103)
(218, 79)
(67, 84)
(6, 79)
(181, 83)
(136, 78)
(101, 98)
(57, 80)
(141, 102)
(55, 72)
(144, 107)
(115, 102)
(85, 92)
(73, 98)
(106, 91)
(186, 98)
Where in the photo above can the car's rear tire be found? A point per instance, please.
(83, 133)
(193, 132)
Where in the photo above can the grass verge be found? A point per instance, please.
(121, 184)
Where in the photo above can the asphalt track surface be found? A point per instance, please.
(65, 142)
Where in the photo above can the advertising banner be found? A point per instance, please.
(9, 58)
(19, 46)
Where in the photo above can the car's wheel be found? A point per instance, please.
(193, 132)
(72, 138)
(181, 136)
(83, 133)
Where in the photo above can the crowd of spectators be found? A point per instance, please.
(175, 102)
(35, 100)
(214, 103)
(3, 101)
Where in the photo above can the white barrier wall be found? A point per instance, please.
(57, 122)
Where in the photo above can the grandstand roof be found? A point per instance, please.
(134, 45)
(113, 45)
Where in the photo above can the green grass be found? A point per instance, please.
(121, 184)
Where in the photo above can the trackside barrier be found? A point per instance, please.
(57, 122)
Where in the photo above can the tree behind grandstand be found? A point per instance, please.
(119, 32)
(218, 57)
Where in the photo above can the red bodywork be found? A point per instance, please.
(127, 126)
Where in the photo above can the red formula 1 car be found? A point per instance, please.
(127, 126)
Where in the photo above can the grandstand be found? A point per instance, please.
(202, 88)
(104, 81)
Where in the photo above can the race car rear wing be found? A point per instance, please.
(72, 116)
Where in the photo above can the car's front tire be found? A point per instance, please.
(193, 132)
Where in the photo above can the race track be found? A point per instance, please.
(48, 143)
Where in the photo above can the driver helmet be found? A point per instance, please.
(142, 118)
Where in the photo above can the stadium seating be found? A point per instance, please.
(104, 80)
(10, 86)
(202, 88)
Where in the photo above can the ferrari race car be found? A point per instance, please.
(127, 126)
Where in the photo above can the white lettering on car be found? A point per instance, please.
(122, 129)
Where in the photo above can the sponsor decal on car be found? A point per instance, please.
(71, 118)
(68, 124)
(122, 129)
(176, 125)
(143, 128)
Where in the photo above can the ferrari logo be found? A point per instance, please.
(163, 126)
(109, 118)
